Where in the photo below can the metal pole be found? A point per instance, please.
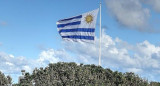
(100, 37)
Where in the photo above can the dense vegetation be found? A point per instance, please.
(71, 74)
(4, 81)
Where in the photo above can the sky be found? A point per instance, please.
(130, 35)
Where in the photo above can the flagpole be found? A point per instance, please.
(100, 37)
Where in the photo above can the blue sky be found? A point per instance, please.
(29, 37)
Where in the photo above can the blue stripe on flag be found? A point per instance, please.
(78, 30)
(79, 37)
(76, 17)
(68, 24)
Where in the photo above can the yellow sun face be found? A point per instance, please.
(89, 18)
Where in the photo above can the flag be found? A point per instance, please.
(79, 28)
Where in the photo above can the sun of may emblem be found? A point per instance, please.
(89, 18)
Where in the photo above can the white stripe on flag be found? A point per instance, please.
(69, 27)
(78, 33)
(78, 40)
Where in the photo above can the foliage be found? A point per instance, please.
(155, 83)
(71, 74)
(4, 81)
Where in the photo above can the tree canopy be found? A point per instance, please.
(71, 74)
(4, 81)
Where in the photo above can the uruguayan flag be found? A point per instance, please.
(79, 28)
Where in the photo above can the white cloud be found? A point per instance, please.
(154, 3)
(129, 13)
(142, 58)
(27, 68)
(135, 70)
(11, 56)
(10, 64)
(53, 56)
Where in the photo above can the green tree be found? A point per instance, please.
(71, 74)
(5, 80)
